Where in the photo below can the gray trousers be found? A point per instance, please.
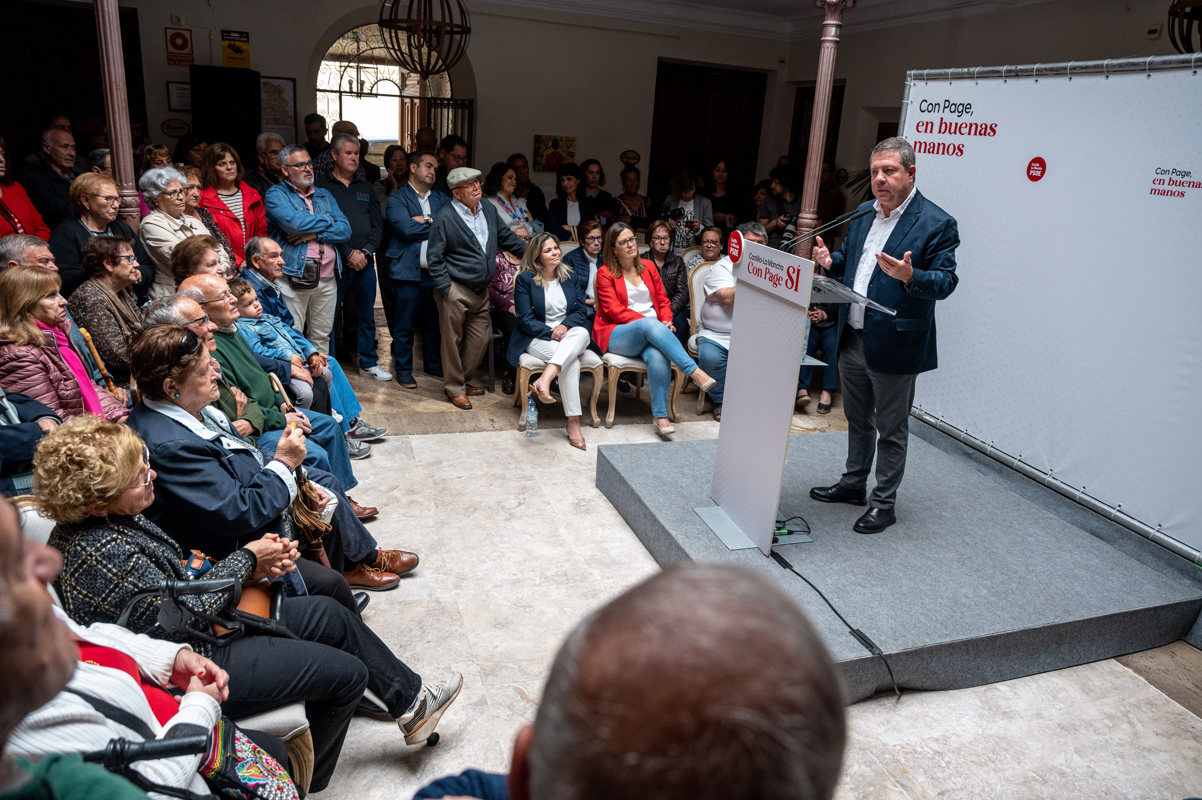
(877, 406)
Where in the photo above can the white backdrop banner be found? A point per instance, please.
(1074, 339)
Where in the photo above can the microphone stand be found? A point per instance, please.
(834, 223)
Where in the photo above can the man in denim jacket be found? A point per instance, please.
(307, 223)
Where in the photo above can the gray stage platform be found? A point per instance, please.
(987, 576)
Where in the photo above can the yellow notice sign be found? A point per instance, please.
(235, 48)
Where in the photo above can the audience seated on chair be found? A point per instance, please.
(632, 206)
(602, 202)
(47, 177)
(23, 423)
(503, 313)
(264, 269)
(38, 659)
(96, 202)
(24, 250)
(585, 259)
(166, 225)
(553, 327)
(112, 554)
(17, 211)
(727, 726)
(38, 357)
(536, 201)
(673, 271)
(634, 320)
(569, 207)
(716, 315)
(270, 336)
(686, 211)
(105, 304)
(500, 189)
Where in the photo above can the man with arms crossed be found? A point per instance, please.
(903, 257)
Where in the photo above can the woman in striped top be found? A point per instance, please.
(236, 207)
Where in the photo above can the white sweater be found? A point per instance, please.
(69, 724)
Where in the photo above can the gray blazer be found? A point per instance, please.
(454, 252)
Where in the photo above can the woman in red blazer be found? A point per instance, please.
(236, 207)
(634, 319)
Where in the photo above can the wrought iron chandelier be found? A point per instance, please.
(426, 37)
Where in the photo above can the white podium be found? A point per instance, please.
(772, 323)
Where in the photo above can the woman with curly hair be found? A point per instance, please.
(95, 479)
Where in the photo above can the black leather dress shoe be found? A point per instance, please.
(874, 520)
(361, 600)
(838, 494)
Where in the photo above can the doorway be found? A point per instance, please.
(704, 114)
(803, 115)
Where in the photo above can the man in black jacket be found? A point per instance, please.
(48, 181)
(462, 256)
(357, 284)
(23, 423)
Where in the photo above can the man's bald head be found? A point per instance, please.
(214, 296)
(701, 682)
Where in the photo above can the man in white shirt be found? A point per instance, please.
(903, 257)
(716, 320)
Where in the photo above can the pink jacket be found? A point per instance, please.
(40, 372)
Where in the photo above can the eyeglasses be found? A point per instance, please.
(146, 460)
(661, 238)
(592, 238)
(111, 199)
(203, 318)
(300, 165)
(130, 257)
(189, 345)
(226, 295)
(625, 242)
(174, 194)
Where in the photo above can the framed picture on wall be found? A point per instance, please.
(179, 96)
(279, 106)
(552, 150)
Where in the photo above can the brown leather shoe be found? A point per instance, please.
(364, 513)
(474, 391)
(373, 579)
(398, 562)
(460, 401)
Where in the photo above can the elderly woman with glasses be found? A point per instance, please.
(37, 356)
(165, 189)
(105, 304)
(96, 199)
(634, 319)
(112, 553)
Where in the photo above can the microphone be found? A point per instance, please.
(834, 223)
(120, 753)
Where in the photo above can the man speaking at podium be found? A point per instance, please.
(903, 256)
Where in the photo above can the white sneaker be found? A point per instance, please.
(379, 373)
(432, 701)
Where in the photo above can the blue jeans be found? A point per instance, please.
(342, 397)
(413, 308)
(357, 298)
(650, 340)
(822, 340)
(713, 360)
(325, 448)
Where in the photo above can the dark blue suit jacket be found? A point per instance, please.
(578, 261)
(904, 344)
(530, 303)
(205, 496)
(406, 236)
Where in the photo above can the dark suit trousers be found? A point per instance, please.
(466, 327)
(410, 307)
(877, 406)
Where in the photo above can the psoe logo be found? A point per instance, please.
(1036, 169)
(734, 246)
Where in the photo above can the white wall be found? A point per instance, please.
(574, 75)
(874, 62)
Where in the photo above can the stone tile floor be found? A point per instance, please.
(517, 545)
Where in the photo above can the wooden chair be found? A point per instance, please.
(617, 366)
(529, 366)
(696, 297)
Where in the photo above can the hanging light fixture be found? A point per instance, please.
(426, 37)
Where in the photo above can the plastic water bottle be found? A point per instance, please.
(531, 417)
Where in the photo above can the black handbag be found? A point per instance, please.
(309, 277)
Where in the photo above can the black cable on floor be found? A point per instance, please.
(859, 635)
